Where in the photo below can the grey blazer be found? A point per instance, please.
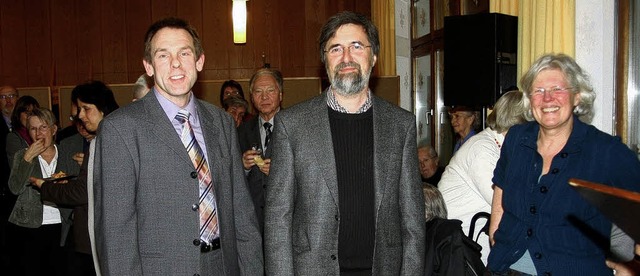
(302, 214)
(145, 186)
(27, 212)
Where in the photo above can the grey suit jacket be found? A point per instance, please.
(302, 214)
(27, 211)
(144, 188)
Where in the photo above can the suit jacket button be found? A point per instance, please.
(194, 175)
(333, 257)
(194, 207)
(196, 242)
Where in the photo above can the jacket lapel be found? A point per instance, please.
(163, 128)
(320, 136)
(382, 148)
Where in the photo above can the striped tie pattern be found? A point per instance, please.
(207, 201)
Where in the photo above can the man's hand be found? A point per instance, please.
(265, 168)
(249, 158)
(78, 157)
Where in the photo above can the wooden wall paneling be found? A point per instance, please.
(216, 38)
(89, 54)
(38, 41)
(265, 34)
(138, 17)
(315, 16)
(163, 8)
(191, 10)
(13, 43)
(64, 42)
(114, 42)
(245, 58)
(292, 22)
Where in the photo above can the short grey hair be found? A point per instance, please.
(434, 206)
(508, 111)
(267, 72)
(142, 86)
(575, 76)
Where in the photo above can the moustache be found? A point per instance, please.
(347, 64)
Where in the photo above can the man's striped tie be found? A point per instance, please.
(207, 202)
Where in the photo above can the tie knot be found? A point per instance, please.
(267, 125)
(183, 116)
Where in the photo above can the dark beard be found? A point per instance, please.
(349, 84)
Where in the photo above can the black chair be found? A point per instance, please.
(484, 229)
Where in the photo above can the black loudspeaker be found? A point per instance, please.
(480, 56)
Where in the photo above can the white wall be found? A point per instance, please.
(595, 53)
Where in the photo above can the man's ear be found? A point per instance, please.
(148, 67)
(200, 63)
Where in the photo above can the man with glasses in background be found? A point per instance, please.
(8, 97)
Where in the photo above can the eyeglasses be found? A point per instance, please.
(42, 128)
(10, 96)
(355, 48)
(553, 91)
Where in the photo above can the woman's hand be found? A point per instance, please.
(35, 149)
(496, 213)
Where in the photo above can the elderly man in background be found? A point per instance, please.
(142, 86)
(429, 165)
(255, 134)
(8, 97)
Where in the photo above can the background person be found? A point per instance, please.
(8, 96)
(430, 170)
(95, 101)
(466, 183)
(255, 134)
(19, 137)
(343, 194)
(237, 108)
(142, 86)
(39, 227)
(448, 250)
(539, 224)
(465, 121)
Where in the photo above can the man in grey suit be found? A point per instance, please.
(156, 213)
(344, 192)
(254, 135)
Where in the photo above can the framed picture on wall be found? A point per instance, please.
(421, 18)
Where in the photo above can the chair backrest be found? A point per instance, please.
(484, 229)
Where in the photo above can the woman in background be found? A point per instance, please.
(466, 182)
(19, 137)
(38, 228)
(465, 122)
(95, 101)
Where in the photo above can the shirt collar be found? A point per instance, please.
(333, 103)
(171, 109)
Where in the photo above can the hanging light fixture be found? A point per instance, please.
(239, 14)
